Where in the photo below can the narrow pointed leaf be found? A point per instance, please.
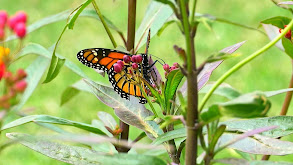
(154, 18)
(68, 94)
(51, 120)
(107, 119)
(284, 123)
(80, 155)
(224, 90)
(173, 80)
(34, 74)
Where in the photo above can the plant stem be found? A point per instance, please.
(288, 97)
(192, 100)
(104, 23)
(285, 106)
(131, 25)
(129, 46)
(242, 63)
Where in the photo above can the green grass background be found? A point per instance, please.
(270, 71)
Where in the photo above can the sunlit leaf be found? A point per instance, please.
(224, 90)
(284, 123)
(258, 145)
(236, 161)
(107, 119)
(51, 120)
(130, 112)
(154, 18)
(80, 155)
(34, 74)
(273, 32)
(177, 133)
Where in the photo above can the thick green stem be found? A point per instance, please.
(104, 23)
(192, 100)
(242, 63)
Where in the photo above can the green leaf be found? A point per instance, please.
(258, 144)
(288, 46)
(236, 161)
(278, 21)
(34, 74)
(69, 93)
(56, 62)
(246, 106)
(107, 119)
(160, 31)
(130, 112)
(34, 48)
(173, 80)
(223, 90)
(52, 120)
(154, 18)
(80, 155)
(212, 114)
(77, 13)
(284, 123)
(277, 92)
(177, 133)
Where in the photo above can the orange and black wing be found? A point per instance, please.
(104, 59)
(125, 85)
(100, 58)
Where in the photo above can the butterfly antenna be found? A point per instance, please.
(159, 59)
(148, 42)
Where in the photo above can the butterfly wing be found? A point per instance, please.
(104, 59)
(100, 58)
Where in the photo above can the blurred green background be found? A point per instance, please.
(270, 71)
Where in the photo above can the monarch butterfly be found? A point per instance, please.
(104, 59)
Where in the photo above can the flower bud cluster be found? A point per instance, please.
(133, 61)
(168, 69)
(14, 85)
(17, 23)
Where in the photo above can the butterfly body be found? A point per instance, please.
(122, 82)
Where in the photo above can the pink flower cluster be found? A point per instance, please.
(17, 23)
(134, 60)
(15, 84)
(168, 69)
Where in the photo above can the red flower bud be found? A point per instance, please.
(117, 68)
(21, 74)
(2, 34)
(176, 65)
(12, 21)
(20, 86)
(3, 16)
(20, 29)
(134, 58)
(126, 59)
(21, 16)
(166, 67)
(8, 77)
(288, 34)
(139, 58)
(154, 85)
(134, 66)
(120, 63)
(2, 23)
(2, 69)
(172, 68)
